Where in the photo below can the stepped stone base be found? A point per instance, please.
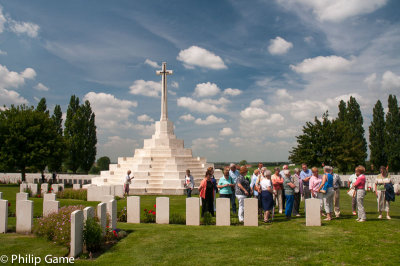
(159, 168)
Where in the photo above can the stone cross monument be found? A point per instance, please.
(164, 104)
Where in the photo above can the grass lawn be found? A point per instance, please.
(341, 241)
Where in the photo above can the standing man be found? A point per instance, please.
(305, 176)
(128, 180)
(233, 174)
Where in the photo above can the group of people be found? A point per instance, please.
(285, 190)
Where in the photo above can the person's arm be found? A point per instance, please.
(322, 183)
(356, 183)
(242, 188)
(220, 184)
(310, 185)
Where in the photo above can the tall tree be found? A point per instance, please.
(392, 134)
(377, 137)
(103, 163)
(89, 137)
(58, 151)
(342, 111)
(42, 106)
(73, 134)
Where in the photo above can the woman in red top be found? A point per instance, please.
(206, 190)
(277, 183)
(359, 185)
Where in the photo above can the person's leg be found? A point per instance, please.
(387, 206)
(233, 202)
(283, 199)
(210, 204)
(203, 207)
(296, 204)
(354, 204)
(337, 202)
(360, 204)
(279, 195)
(289, 205)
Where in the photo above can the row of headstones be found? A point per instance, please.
(223, 217)
(44, 188)
(67, 181)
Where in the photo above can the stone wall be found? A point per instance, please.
(35, 178)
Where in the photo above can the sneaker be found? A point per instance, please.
(388, 217)
(380, 216)
(354, 213)
(327, 219)
(298, 215)
(361, 220)
(358, 219)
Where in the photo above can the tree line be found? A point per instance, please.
(341, 142)
(31, 139)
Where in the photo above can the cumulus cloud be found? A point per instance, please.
(256, 103)
(199, 106)
(339, 10)
(41, 87)
(283, 94)
(2, 20)
(203, 143)
(187, 117)
(211, 119)
(145, 118)
(111, 112)
(8, 97)
(331, 63)
(197, 56)
(279, 46)
(11, 79)
(390, 81)
(28, 28)
(232, 92)
(303, 110)
(206, 89)
(226, 131)
(152, 63)
(371, 80)
(146, 88)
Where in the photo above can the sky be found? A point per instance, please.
(247, 74)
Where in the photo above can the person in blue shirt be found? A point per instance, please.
(305, 176)
(225, 184)
(326, 188)
(234, 174)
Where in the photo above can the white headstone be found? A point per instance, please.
(133, 210)
(55, 188)
(107, 198)
(23, 187)
(118, 190)
(162, 210)
(50, 206)
(102, 215)
(49, 196)
(1, 195)
(20, 196)
(88, 212)
(34, 189)
(44, 188)
(313, 212)
(112, 211)
(76, 186)
(251, 212)
(223, 212)
(76, 233)
(193, 211)
(24, 216)
(3, 216)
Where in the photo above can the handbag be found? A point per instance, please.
(351, 192)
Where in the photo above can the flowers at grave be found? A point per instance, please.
(9, 204)
(122, 215)
(155, 206)
(149, 216)
(38, 196)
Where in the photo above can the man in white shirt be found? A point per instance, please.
(128, 180)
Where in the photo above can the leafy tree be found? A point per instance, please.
(26, 138)
(243, 162)
(42, 106)
(58, 152)
(73, 134)
(342, 111)
(392, 134)
(103, 163)
(89, 137)
(377, 137)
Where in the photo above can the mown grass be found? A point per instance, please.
(341, 241)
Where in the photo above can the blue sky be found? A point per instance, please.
(247, 74)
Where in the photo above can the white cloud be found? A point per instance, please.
(279, 46)
(199, 106)
(145, 118)
(197, 56)
(257, 103)
(111, 112)
(41, 87)
(11, 79)
(226, 131)
(28, 28)
(8, 97)
(390, 81)
(338, 10)
(286, 133)
(204, 143)
(220, 101)
(152, 63)
(117, 142)
(146, 88)
(303, 110)
(187, 117)
(211, 119)
(283, 94)
(371, 80)
(232, 92)
(253, 113)
(331, 63)
(3, 52)
(175, 84)
(206, 89)
(2, 20)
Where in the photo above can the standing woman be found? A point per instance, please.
(225, 185)
(242, 191)
(288, 186)
(359, 185)
(277, 182)
(314, 183)
(382, 179)
(327, 187)
(266, 195)
(297, 191)
(189, 183)
(206, 190)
